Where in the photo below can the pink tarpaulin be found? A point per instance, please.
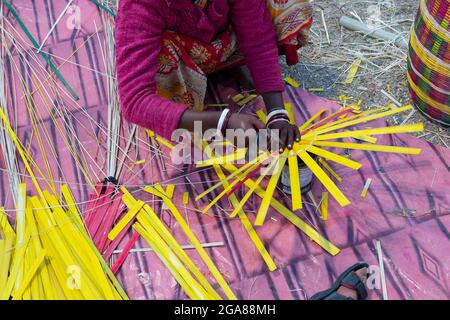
(406, 208)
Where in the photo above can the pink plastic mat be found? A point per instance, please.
(415, 245)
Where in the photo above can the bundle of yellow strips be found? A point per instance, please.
(50, 255)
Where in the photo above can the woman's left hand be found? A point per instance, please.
(288, 134)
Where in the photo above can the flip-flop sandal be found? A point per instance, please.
(347, 279)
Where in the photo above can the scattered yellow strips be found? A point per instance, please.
(292, 217)
(247, 100)
(324, 206)
(330, 170)
(237, 97)
(261, 115)
(366, 188)
(125, 220)
(334, 157)
(368, 147)
(322, 176)
(31, 273)
(230, 186)
(366, 138)
(248, 225)
(291, 82)
(289, 108)
(264, 207)
(197, 245)
(238, 155)
(308, 123)
(252, 189)
(186, 198)
(362, 120)
(263, 157)
(377, 131)
(296, 192)
(352, 72)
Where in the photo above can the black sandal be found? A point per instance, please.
(347, 279)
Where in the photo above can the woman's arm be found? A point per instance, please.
(258, 42)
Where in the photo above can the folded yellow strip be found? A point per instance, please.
(246, 100)
(125, 220)
(291, 82)
(352, 72)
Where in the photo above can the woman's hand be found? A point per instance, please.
(288, 134)
(245, 122)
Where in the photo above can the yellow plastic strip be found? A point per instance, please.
(4, 223)
(307, 124)
(366, 138)
(31, 273)
(237, 97)
(324, 206)
(186, 198)
(248, 226)
(296, 191)
(352, 72)
(162, 141)
(366, 188)
(334, 157)
(324, 179)
(239, 154)
(418, 127)
(197, 245)
(330, 170)
(292, 217)
(289, 108)
(372, 117)
(368, 147)
(247, 100)
(264, 207)
(261, 115)
(230, 186)
(292, 82)
(252, 189)
(125, 220)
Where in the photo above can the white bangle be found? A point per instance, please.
(275, 113)
(222, 119)
(277, 120)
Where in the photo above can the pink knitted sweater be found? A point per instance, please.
(138, 40)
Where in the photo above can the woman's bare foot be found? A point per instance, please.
(347, 292)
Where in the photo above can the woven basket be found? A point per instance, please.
(429, 60)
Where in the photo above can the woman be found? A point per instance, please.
(166, 48)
